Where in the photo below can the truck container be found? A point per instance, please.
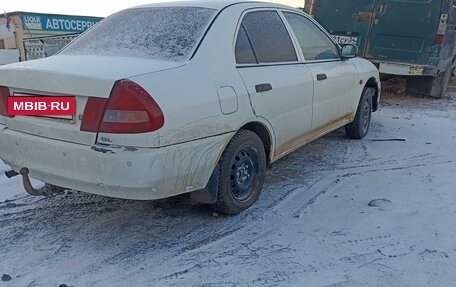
(411, 38)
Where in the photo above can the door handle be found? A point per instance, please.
(366, 16)
(263, 87)
(322, 77)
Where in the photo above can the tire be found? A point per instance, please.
(242, 168)
(359, 128)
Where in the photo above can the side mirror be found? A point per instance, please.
(349, 51)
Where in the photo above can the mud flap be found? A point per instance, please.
(208, 195)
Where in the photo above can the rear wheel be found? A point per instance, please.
(241, 173)
(359, 128)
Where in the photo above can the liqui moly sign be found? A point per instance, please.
(61, 23)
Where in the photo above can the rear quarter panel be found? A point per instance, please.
(188, 95)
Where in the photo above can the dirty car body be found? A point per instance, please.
(163, 89)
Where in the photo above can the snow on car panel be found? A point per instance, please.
(169, 33)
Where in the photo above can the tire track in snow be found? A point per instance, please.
(293, 200)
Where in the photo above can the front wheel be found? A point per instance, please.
(241, 173)
(359, 128)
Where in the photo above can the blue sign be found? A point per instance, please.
(60, 23)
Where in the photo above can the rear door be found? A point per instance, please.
(279, 86)
(404, 30)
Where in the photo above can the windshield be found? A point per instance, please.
(165, 33)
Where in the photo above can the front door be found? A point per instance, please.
(334, 80)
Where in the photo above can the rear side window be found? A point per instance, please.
(315, 44)
(244, 51)
(165, 33)
(269, 37)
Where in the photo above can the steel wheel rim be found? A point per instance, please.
(243, 173)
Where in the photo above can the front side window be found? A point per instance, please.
(268, 37)
(164, 33)
(315, 44)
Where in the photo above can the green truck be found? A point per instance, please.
(412, 38)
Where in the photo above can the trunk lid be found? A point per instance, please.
(78, 76)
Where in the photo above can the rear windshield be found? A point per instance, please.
(165, 33)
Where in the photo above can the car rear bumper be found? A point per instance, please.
(131, 173)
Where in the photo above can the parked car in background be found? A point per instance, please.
(408, 38)
(186, 97)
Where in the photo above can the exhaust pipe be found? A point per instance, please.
(11, 173)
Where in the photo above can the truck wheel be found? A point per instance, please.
(359, 128)
(242, 170)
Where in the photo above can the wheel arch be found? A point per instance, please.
(209, 194)
(262, 131)
(373, 83)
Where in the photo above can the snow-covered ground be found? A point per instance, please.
(376, 212)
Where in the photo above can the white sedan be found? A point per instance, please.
(185, 97)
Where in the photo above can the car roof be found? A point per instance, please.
(213, 4)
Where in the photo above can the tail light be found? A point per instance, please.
(4, 94)
(439, 39)
(129, 110)
(441, 32)
(93, 114)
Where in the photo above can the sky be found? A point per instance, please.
(89, 7)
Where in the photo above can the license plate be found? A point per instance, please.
(342, 40)
(59, 107)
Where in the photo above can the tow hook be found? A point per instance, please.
(46, 190)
